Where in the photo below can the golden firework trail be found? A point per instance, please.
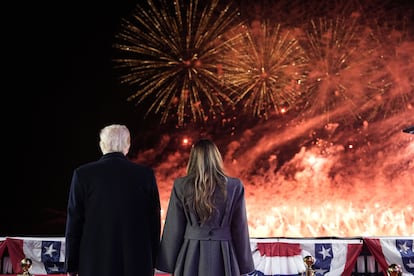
(170, 53)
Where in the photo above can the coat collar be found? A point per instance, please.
(113, 155)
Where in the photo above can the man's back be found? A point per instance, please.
(113, 224)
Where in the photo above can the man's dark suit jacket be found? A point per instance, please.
(113, 219)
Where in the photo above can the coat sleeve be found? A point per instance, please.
(240, 233)
(173, 234)
(156, 217)
(74, 224)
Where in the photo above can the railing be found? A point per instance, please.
(364, 257)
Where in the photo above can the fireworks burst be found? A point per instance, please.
(344, 67)
(295, 168)
(395, 48)
(171, 53)
(266, 69)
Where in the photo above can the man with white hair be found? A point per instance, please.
(113, 215)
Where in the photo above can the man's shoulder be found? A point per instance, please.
(140, 166)
(87, 165)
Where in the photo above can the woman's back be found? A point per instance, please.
(220, 246)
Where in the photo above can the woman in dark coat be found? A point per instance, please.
(206, 229)
(113, 218)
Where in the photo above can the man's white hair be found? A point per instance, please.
(115, 138)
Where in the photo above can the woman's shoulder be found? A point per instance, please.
(235, 187)
(180, 181)
(234, 181)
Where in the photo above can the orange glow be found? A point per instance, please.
(323, 189)
(185, 141)
(338, 163)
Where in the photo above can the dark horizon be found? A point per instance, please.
(66, 92)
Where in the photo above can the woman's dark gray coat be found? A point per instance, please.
(113, 219)
(219, 248)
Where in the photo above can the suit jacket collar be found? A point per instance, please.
(113, 155)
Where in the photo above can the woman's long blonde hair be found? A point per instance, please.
(205, 173)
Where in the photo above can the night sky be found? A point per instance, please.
(65, 92)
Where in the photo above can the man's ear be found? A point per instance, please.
(102, 146)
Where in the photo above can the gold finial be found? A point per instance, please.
(394, 270)
(25, 264)
(309, 261)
